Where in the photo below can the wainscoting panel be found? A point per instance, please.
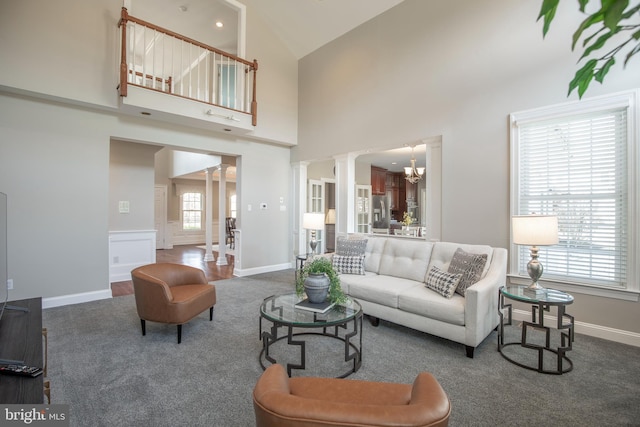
(181, 237)
(128, 250)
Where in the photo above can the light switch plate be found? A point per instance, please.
(123, 206)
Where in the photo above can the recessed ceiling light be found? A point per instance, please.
(183, 8)
(227, 130)
(145, 113)
(219, 24)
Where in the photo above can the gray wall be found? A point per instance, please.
(131, 179)
(58, 117)
(454, 68)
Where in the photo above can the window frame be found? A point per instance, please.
(182, 210)
(629, 101)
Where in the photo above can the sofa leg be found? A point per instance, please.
(211, 314)
(179, 334)
(144, 327)
(469, 351)
(374, 321)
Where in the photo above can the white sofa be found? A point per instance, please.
(393, 288)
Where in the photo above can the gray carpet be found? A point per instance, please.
(110, 375)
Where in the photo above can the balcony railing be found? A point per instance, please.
(159, 59)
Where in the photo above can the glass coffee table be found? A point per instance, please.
(281, 312)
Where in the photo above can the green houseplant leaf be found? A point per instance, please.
(548, 11)
(608, 21)
(583, 77)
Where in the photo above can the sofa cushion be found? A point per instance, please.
(373, 254)
(425, 302)
(443, 252)
(378, 289)
(348, 264)
(469, 266)
(405, 258)
(443, 282)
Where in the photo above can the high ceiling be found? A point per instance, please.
(306, 25)
(302, 25)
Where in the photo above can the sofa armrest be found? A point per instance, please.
(428, 393)
(330, 401)
(481, 300)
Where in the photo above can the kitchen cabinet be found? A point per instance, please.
(378, 180)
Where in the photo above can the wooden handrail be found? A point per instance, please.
(126, 18)
(252, 66)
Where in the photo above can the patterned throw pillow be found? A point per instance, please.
(348, 264)
(470, 266)
(350, 247)
(442, 282)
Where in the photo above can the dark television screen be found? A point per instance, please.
(4, 275)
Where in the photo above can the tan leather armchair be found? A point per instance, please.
(171, 293)
(310, 401)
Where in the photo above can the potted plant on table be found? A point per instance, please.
(320, 281)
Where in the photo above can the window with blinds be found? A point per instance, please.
(576, 166)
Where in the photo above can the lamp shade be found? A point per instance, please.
(535, 230)
(313, 221)
(331, 217)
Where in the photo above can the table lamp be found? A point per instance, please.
(313, 222)
(534, 231)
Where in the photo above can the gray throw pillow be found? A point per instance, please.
(468, 265)
(442, 282)
(350, 247)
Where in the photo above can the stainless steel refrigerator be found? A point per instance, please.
(381, 213)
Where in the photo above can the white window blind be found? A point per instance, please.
(576, 168)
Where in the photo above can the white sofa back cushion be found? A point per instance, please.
(443, 253)
(405, 258)
(373, 253)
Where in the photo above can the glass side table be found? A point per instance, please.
(544, 347)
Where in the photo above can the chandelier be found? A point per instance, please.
(411, 173)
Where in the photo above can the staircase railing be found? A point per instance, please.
(159, 59)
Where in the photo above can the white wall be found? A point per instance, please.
(454, 68)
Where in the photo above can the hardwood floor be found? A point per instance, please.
(188, 255)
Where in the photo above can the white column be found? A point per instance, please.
(345, 193)
(222, 215)
(300, 207)
(208, 215)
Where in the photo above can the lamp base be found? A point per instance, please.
(535, 290)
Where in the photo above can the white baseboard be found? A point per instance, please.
(75, 298)
(604, 332)
(265, 269)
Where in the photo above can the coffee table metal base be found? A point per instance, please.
(352, 343)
